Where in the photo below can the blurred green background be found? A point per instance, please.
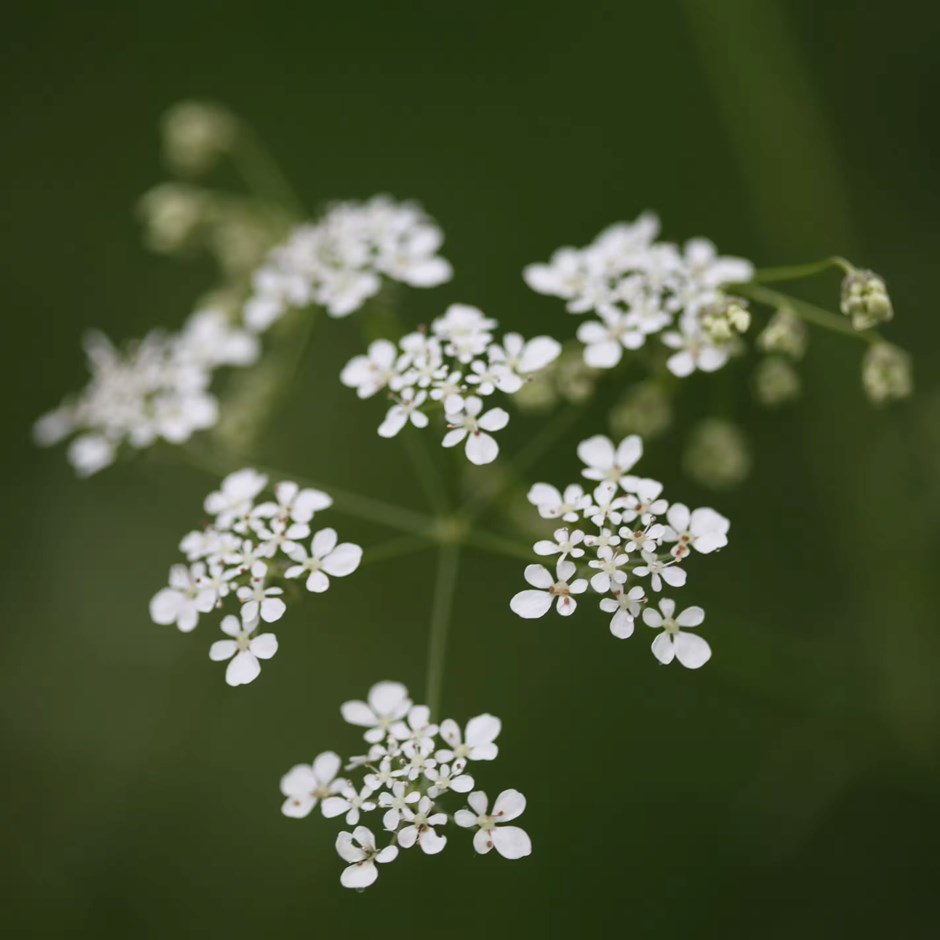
(790, 788)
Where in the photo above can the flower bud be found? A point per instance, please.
(887, 373)
(785, 333)
(717, 455)
(645, 409)
(865, 299)
(775, 381)
(196, 134)
(725, 319)
(172, 213)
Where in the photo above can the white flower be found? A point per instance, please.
(660, 571)
(242, 649)
(258, 600)
(489, 376)
(693, 352)
(525, 357)
(625, 606)
(395, 803)
(510, 841)
(349, 802)
(417, 755)
(565, 544)
(184, 600)
(605, 505)
(404, 410)
(610, 570)
(605, 340)
(235, 497)
(419, 827)
(305, 785)
(644, 502)
(417, 727)
(358, 848)
(691, 650)
(470, 424)
(372, 372)
(293, 503)
(445, 777)
(703, 529)
(532, 604)
(387, 703)
(464, 330)
(384, 776)
(604, 462)
(90, 453)
(325, 558)
(552, 504)
(476, 744)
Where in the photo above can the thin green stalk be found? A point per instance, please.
(345, 501)
(808, 312)
(795, 272)
(427, 471)
(395, 548)
(497, 545)
(261, 172)
(444, 586)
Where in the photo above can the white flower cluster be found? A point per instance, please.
(617, 544)
(156, 388)
(339, 261)
(454, 366)
(639, 287)
(249, 550)
(409, 773)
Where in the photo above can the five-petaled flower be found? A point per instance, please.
(674, 643)
(492, 833)
(243, 649)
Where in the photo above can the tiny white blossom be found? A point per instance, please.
(492, 833)
(235, 496)
(243, 650)
(610, 571)
(553, 504)
(387, 703)
(325, 558)
(349, 801)
(372, 372)
(258, 600)
(605, 462)
(477, 743)
(625, 606)
(660, 571)
(185, 599)
(703, 529)
(293, 503)
(470, 424)
(419, 827)
(359, 849)
(566, 543)
(525, 357)
(532, 604)
(446, 777)
(394, 803)
(404, 410)
(673, 643)
(305, 785)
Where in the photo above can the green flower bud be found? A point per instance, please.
(785, 333)
(196, 134)
(776, 381)
(865, 299)
(886, 373)
(173, 214)
(725, 319)
(717, 455)
(645, 409)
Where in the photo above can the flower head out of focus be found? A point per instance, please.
(623, 540)
(451, 369)
(248, 554)
(413, 781)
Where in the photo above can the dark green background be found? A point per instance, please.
(789, 788)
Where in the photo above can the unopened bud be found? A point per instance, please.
(717, 454)
(776, 381)
(172, 213)
(785, 333)
(865, 299)
(725, 319)
(196, 134)
(886, 373)
(645, 409)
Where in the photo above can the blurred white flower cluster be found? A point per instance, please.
(622, 540)
(154, 389)
(454, 367)
(339, 261)
(412, 769)
(638, 287)
(250, 551)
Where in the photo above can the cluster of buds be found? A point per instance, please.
(865, 299)
(413, 771)
(784, 340)
(725, 319)
(253, 548)
(886, 373)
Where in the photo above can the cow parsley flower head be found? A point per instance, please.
(628, 540)
(414, 777)
(450, 370)
(638, 288)
(244, 558)
(340, 261)
(155, 389)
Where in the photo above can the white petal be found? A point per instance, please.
(663, 648)
(478, 802)
(510, 804)
(323, 542)
(264, 646)
(318, 582)
(222, 650)
(511, 842)
(357, 713)
(389, 698)
(465, 819)
(539, 352)
(431, 843)
(494, 420)
(334, 806)
(244, 668)
(482, 841)
(272, 609)
(326, 767)
(691, 617)
(481, 448)
(359, 876)
(691, 650)
(347, 849)
(298, 807)
(454, 437)
(394, 421)
(343, 560)
(484, 729)
(621, 626)
(531, 604)
(539, 576)
(164, 606)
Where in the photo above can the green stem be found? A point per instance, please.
(444, 586)
(497, 544)
(427, 472)
(395, 548)
(807, 311)
(261, 173)
(345, 501)
(795, 272)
